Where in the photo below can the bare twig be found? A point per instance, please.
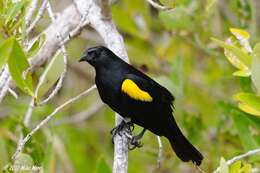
(13, 93)
(4, 81)
(48, 118)
(160, 149)
(30, 12)
(247, 154)
(239, 157)
(38, 17)
(28, 115)
(68, 24)
(4, 88)
(43, 76)
(158, 6)
(65, 59)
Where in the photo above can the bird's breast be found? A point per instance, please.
(108, 86)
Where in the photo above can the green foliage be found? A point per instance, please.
(103, 167)
(237, 167)
(19, 67)
(12, 53)
(36, 45)
(12, 17)
(176, 19)
(247, 61)
(249, 103)
(53, 72)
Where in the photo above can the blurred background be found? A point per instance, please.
(174, 48)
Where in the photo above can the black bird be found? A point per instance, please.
(134, 95)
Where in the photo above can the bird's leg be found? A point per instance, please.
(136, 140)
(118, 129)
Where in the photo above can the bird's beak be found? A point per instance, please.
(83, 58)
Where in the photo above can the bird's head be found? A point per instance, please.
(95, 55)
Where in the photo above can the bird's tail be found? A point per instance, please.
(182, 147)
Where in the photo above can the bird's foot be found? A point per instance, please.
(118, 129)
(135, 141)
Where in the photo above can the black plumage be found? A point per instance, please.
(134, 95)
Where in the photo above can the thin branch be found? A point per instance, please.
(158, 6)
(31, 10)
(13, 93)
(48, 118)
(247, 154)
(4, 81)
(65, 59)
(239, 157)
(38, 17)
(5, 88)
(160, 150)
(28, 115)
(69, 24)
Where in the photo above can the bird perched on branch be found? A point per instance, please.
(137, 97)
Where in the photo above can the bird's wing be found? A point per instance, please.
(145, 89)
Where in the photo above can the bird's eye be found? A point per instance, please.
(93, 55)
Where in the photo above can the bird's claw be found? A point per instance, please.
(118, 129)
(135, 142)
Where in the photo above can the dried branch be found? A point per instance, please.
(4, 82)
(38, 17)
(158, 6)
(5, 87)
(65, 58)
(48, 118)
(239, 157)
(13, 93)
(68, 24)
(28, 115)
(31, 10)
(160, 149)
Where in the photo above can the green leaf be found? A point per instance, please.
(53, 70)
(49, 159)
(36, 45)
(19, 68)
(237, 57)
(242, 73)
(242, 124)
(16, 8)
(5, 50)
(247, 168)
(235, 167)
(103, 167)
(126, 23)
(178, 18)
(223, 168)
(249, 103)
(256, 68)
(242, 36)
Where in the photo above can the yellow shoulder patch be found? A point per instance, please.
(132, 90)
